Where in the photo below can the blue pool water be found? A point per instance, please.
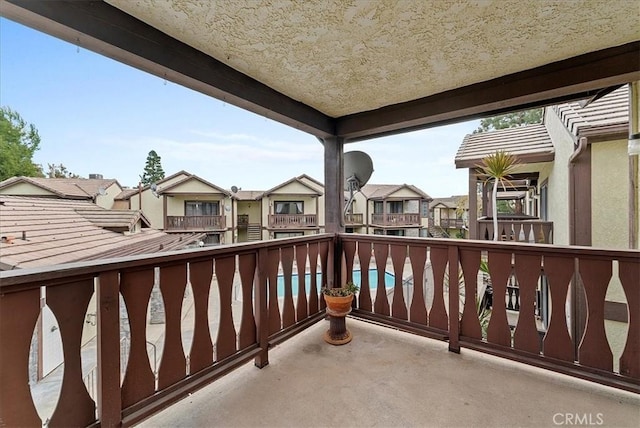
(357, 279)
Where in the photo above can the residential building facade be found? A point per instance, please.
(449, 217)
(392, 209)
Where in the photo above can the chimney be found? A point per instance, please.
(96, 176)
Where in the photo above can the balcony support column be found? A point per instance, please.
(473, 205)
(333, 184)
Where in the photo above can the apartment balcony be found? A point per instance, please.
(395, 219)
(353, 219)
(452, 223)
(247, 298)
(292, 221)
(517, 229)
(195, 223)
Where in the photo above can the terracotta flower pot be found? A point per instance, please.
(338, 305)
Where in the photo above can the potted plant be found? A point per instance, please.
(338, 306)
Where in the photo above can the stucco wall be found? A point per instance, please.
(252, 208)
(25, 189)
(106, 200)
(151, 207)
(610, 195)
(404, 193)
(557, 173)
(268, 205)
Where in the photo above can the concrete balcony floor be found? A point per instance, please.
(388, 378)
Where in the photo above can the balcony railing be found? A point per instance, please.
(243, 221)
(531, 231)
(292, 220)
(195, 223)
(353, 218)
(395, 219)
(270, 316)
(452, 223)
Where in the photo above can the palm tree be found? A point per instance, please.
(497, 167)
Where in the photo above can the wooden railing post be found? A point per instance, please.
(109, 396)
(261, 311)
(454, 301)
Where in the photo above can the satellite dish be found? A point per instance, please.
(102, 191)
(358, 168)
(234, 189)
(154, 190)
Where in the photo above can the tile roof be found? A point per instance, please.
(381, 191)
(70, 188)
(125, 194)
(532, 143)
(248, 195)
(450, 202)
(165, 189)
(612, 109)
(56, 232)
(109, 219)
(529, 143)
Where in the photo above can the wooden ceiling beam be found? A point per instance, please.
(567, 80)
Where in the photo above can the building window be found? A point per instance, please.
(424, 209)
(378, 207)
(289, 207)
(395, 232)
(277, 235)
(395, 207)
(200, 208)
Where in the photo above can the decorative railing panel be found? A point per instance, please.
(434, 292)
(69, 288)
(395, 219)
(530, 231)
(434, 261)
(452, 223)
(353, 218)
(292, 220)
(195, 223)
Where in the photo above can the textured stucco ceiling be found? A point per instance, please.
(345, 57)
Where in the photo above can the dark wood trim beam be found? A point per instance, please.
(102, 28)
(570, 79)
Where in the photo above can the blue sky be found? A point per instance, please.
(96, 115)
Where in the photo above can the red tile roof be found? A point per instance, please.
(62, 231)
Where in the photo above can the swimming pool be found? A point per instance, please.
(389, 280)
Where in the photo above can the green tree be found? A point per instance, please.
(511, 120)
(59, 171)
(497, 168)
(18, 143)
(153, 171)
